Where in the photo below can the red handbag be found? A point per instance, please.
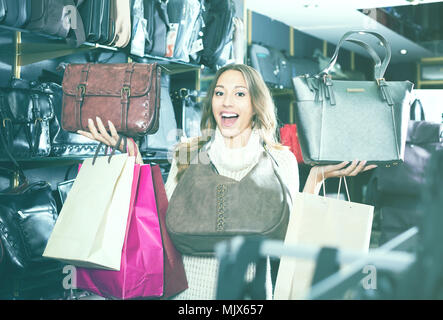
(175, 280)
(289, 137)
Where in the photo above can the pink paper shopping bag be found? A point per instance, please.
(141, 272)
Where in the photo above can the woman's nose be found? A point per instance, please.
(228, 100)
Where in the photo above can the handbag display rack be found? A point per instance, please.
(391, 257)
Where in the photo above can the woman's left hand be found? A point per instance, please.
(318, 174)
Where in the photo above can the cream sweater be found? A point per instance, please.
(235, 164)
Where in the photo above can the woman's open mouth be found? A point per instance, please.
(228, 119)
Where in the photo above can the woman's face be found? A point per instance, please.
(232, 107)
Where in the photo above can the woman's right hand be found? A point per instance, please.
(99, 133)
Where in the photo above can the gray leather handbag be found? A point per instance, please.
(206, 207)
(339, 120)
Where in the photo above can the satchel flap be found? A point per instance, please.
(421, 132)
(24, 105)
(109, 79)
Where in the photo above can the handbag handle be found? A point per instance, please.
(413, 112)
(379, 68)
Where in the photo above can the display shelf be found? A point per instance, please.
(433, 61)
(32, 52)
(148, 157)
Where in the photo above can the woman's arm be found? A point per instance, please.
(316, 177)
(103, 136)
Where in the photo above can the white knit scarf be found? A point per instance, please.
(236, 159)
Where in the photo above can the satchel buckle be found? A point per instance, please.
(379, 80)
(326, 76)
(4, 121)
(126, 90)
(82, 89)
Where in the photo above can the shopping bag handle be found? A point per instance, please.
(339, 185)
(116, 147)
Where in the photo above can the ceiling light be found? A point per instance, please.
(403, 51)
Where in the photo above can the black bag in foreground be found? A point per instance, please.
(27, 216)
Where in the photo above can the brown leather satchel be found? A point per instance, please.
(126, 94)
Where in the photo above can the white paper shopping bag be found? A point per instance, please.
(320, 221)
(90, 229)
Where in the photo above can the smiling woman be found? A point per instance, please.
(247, 179)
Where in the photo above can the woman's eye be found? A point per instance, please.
(218, 93)
(241, 94)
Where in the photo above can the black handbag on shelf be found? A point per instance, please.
(29, 137)
(25, 115)
(96, 16)
(17, 12)
(27, 216)
(157, 26)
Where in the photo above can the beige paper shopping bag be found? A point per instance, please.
(320, 221)
(90, 229)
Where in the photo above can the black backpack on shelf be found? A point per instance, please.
(157, 19)
(187, 17)
(261, 59)
(218, 33)
(275, 68)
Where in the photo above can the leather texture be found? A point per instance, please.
(92, 17)
(63, 189)
(122, 23)
(206, 207)
(55, 17)
(26, 116)
(18, 12)
(65, 143)
(126, 94)
(218, 32)
(107, 22)
(157, 26)
(341, 120)
(408, 178)
(27, 217)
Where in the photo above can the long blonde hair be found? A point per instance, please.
(264, 120)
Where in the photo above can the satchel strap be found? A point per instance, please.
(80, 95)
(125, 94)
